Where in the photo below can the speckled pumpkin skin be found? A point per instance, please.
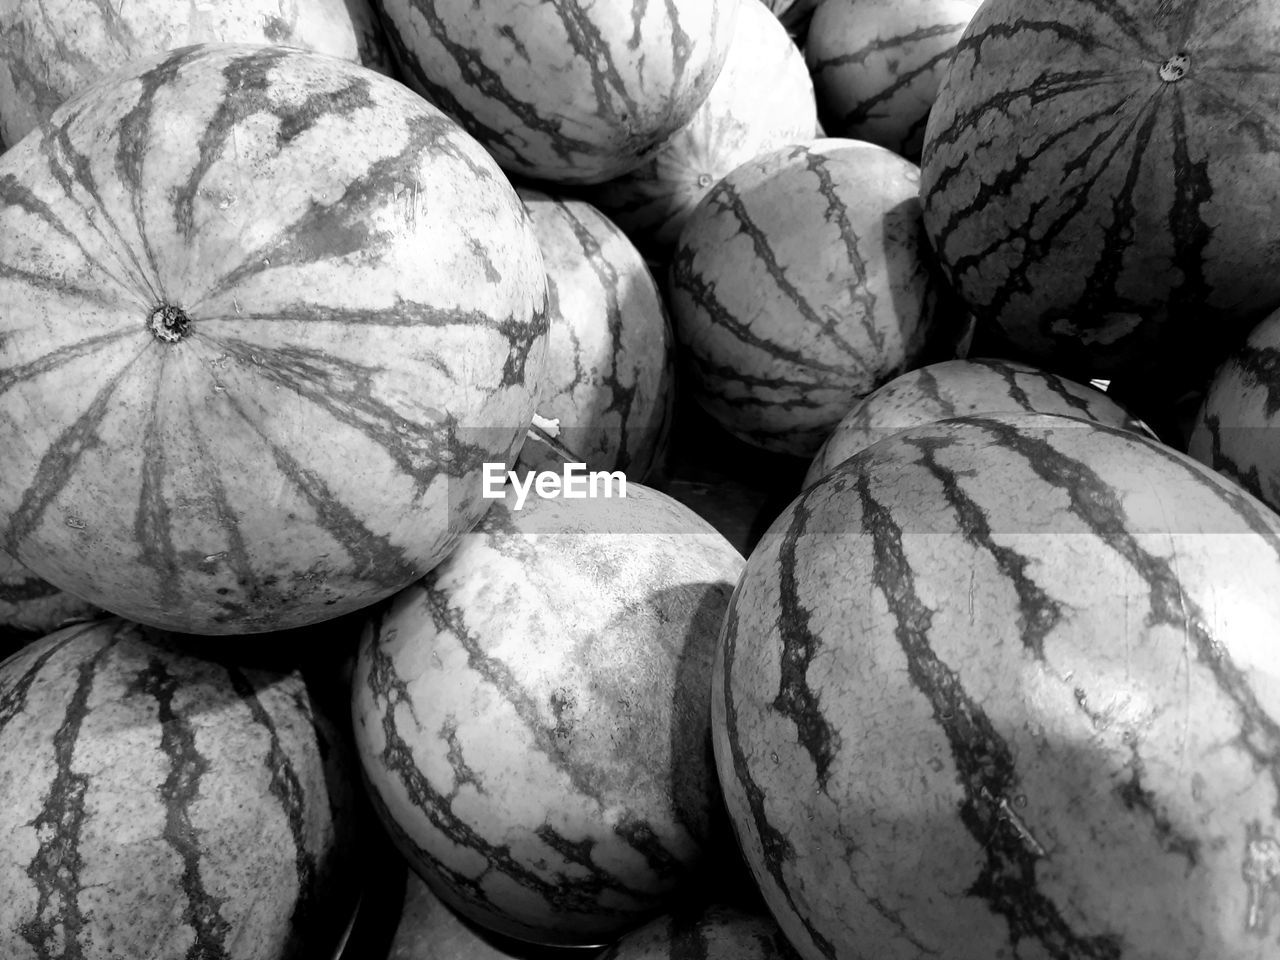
(158, 804)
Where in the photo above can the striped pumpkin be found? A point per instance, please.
(565, 91)
(1237, 428)
(801, 283)
(533, 721)
(238, 398)
(52, 50)
(877, 65)
(1099, 181)
(960, 388)
(29, 604)
(610, 370)
(716, 932)
(1008, 685)
(159, 804)
(763, 99)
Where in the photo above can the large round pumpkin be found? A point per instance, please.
(265, 313)
(50, 51)
(1008, 686)
(569, 92)
(1100, 181)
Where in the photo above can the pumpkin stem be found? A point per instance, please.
(168, 323)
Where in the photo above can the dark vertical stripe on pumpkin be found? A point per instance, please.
(56, 927)
(1096, 503)
(796, 700)
(286, 787)
(61, 462)
(985, 765)
(776, 848)
(153, 518)
(389, 694)
(180, 792)
(374, 557)
(1038, 612)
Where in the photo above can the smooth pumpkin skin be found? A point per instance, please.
(53, 49)
(1098, 182)
(235, 398)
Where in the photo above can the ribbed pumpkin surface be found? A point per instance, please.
(263, 315)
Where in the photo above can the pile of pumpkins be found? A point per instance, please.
(468, 472)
